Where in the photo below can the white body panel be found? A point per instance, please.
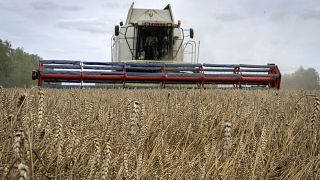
(124, 46)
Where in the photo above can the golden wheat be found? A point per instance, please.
(164, 134)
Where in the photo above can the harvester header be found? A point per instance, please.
(52, 73)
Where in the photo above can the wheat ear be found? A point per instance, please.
(106, 161)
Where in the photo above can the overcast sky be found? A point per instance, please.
(285, 32)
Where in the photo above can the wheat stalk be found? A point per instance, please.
(18, 144)
(139, 166)
(314, 116)
(126, 165)
(134, 117)
(23, 171)
(226, 139)
(97, 164)
(89, 112)
(106, 161)
(40, 107)
(58, 138)
(206, 159)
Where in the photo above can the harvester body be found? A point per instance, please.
(147, 51)
(148, 36)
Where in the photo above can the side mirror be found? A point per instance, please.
(191, 33)
(121, 23)
(116, 30)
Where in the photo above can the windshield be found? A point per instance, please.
(153, 43)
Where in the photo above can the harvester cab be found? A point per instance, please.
(149, 36)
(148, 51)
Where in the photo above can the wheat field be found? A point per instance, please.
(159, 134)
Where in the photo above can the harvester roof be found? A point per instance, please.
(136, 15)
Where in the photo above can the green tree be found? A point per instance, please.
(16, 66)
(307, 79)
(5, 62)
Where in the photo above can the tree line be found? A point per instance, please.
(16, 66)
(302, 79)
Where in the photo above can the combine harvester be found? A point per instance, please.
(148, 51)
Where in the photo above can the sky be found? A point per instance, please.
(284, 32)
